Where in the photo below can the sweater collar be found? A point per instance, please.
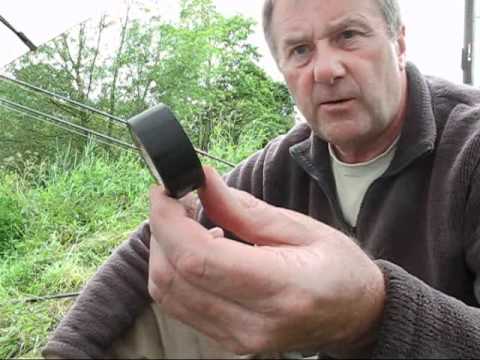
(418, 134)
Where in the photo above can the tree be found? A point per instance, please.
(201, 65)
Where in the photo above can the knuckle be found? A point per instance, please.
(249, 201)
(253, 344)
(160, 284)
(210, 310)
(226, 341)
(292, 309)
(298, 307)
(238, 349)
(160, 277)
(233, 347)
(155, 292)
(302, 306)
(191, 266)
(259, 337)
(191, 204)
(270, 327)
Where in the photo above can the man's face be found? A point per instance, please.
(344, 71)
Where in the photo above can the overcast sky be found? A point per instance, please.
(434, 27)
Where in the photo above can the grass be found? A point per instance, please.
(56, 229)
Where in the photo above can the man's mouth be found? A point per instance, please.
(337, 105)
(336, 101)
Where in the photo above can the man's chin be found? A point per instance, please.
(340, 136)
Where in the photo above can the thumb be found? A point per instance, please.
(252, 220)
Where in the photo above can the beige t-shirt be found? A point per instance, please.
(353, 180)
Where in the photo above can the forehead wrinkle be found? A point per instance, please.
(299, 36)
(291, 30)
(350, 19)
(293, 38)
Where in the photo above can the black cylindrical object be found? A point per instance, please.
(167, 150)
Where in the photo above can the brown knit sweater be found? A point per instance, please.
(420, 220)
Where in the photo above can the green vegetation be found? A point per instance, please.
(66, 221)
(66, 203)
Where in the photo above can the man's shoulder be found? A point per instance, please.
(450, 95)
(273, 161)
(276, 154)
(281, 145)
(456, 108)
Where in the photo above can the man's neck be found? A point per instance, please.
(368, 150)
(361, 153)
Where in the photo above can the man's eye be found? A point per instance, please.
(349, 34)
(301, 51)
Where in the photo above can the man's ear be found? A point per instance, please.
(401, 48)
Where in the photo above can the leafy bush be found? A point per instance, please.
(11, 219)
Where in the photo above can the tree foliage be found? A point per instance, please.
(201, 65)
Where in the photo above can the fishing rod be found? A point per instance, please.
(102, 113)
(63, 98)
(68, 123)
(19, 34)
(87, 135)
(111, 141)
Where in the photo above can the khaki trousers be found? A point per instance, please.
(157, 336)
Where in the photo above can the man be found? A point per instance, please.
(365, 220)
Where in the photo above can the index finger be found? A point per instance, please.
(219, 264)
(162, 204)
(175, 232)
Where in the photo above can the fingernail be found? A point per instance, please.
(217, 232)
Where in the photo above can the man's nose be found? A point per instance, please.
(328, 66)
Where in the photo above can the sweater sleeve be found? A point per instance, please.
(421, 322)
(108, 305)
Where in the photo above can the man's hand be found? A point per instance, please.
(304, 286)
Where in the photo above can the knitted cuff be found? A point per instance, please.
(403, 301)
(421, 322)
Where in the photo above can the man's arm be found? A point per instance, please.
(109, 304)
(421, 322)
(304, 285)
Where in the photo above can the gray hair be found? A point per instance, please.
(390, 10)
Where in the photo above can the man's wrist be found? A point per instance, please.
(368, 317)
